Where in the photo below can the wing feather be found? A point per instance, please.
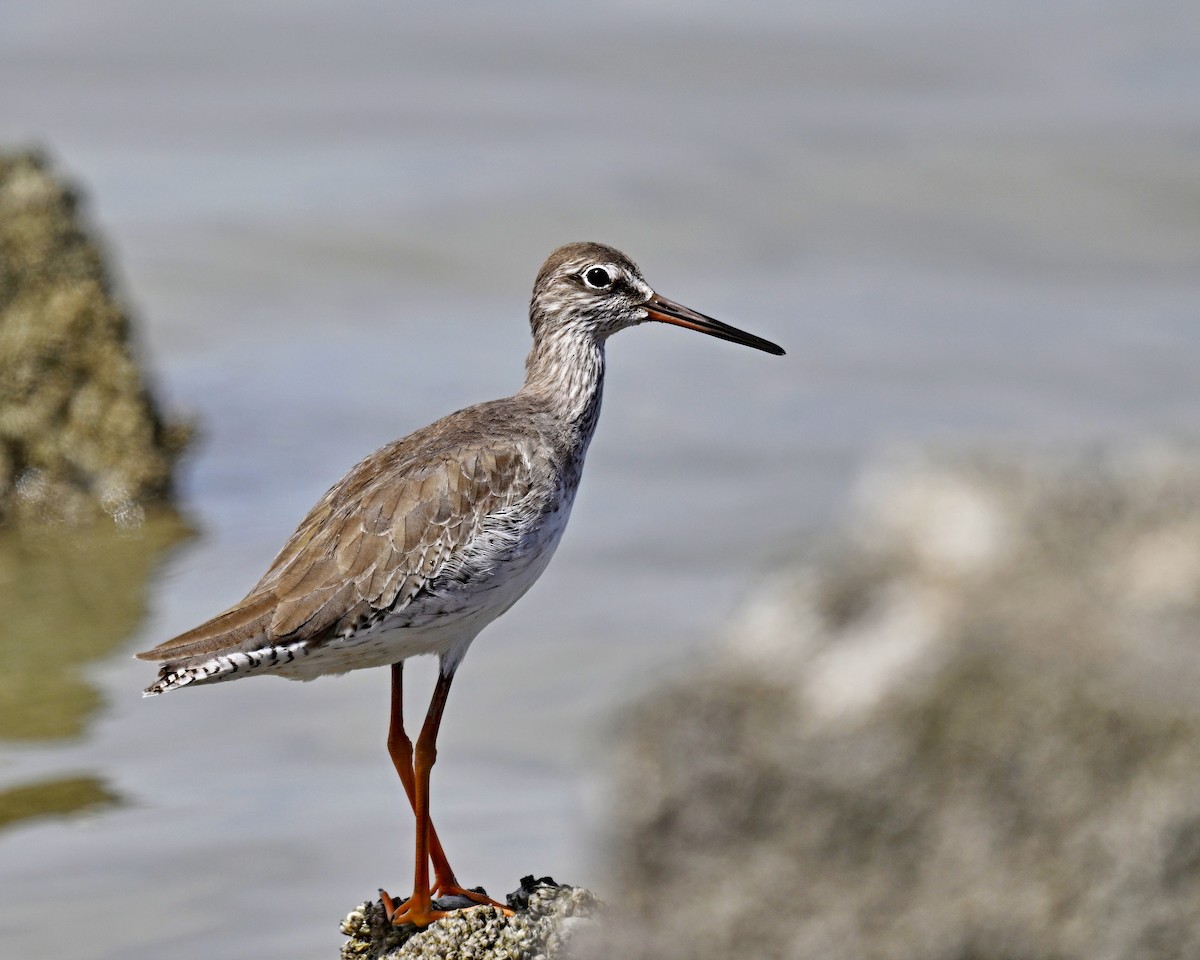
(371, 544)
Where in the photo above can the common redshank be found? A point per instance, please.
(431, 538)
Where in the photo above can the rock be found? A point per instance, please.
(80, 433)
(551, 922)
(970, 728)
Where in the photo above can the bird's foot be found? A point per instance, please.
(422, 911)
(450, 890)
(419, 912)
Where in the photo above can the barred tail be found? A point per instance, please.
(174, 674)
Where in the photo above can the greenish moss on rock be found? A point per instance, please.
(80, 434)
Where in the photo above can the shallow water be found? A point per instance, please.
(964, 226)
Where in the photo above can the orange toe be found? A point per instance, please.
(452, 889)
(412, 911)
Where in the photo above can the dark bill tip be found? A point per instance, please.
(668, 311)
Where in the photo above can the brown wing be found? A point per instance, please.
(370, 544)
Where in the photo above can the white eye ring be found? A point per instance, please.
(597, 278)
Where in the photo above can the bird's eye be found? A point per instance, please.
(597, 277)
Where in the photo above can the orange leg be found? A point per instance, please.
(401, 751)
(414, 769)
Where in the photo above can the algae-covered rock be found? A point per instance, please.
(969, 728)
(79, 431)
(550, 922)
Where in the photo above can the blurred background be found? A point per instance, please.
(967, 224)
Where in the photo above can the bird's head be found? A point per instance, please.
(592, 290)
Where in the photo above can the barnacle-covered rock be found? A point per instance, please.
(967, 727)
(550, 921)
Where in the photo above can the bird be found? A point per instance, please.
(435, 535)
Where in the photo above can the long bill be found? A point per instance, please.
(668, 311)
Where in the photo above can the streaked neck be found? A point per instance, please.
(566, 370)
